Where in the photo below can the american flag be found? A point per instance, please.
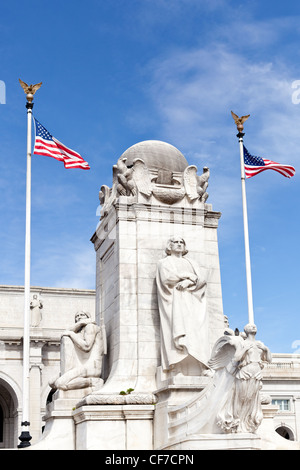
(254, 165)
(46, 144)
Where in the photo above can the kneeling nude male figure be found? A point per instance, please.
(82, 349)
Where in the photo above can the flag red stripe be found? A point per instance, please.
(43, 150)
(44, 147)
(60, 152)
(249, 174)
(66, 149)
(286, 170)
(48, 154)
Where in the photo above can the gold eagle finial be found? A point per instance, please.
(30, 89)
(239, 121)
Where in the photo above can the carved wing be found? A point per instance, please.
(224, 351)
(115, 174)
(104, 194)
(106, 197)
(141, 177)
(190, 182)
(101, 198)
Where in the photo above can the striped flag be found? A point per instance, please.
(255, 165)
(45, 144)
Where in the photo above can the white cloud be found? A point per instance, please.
(70, 265)
(195, 90)
(79, 270)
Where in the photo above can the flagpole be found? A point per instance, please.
(239, 122)
(25, 436)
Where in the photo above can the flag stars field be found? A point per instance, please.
(47, 145)
(255, 165)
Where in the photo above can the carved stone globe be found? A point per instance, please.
(156, 155)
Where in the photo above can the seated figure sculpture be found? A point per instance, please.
(82, 349)
(182, 308)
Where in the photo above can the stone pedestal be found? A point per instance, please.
(179, 401)
(241, 441)
(59, 432)
(171, 394)
(114, 427)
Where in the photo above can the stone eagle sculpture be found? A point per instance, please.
(126, 186)
(134, 178)
(126, 182)
(141, 177)
(196, 185)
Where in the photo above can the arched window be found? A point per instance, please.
(285, 432)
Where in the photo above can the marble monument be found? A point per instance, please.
(160, 369)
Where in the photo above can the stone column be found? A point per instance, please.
(297, 416)
(36, 367)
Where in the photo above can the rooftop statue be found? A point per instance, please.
(36, 306)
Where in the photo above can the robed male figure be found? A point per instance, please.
(182, 307)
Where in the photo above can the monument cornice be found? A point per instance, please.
(132, 211)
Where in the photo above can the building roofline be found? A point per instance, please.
(47, 290)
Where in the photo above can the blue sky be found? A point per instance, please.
(119, 72)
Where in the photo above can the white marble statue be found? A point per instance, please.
(82, 349)
(36, 310)
(238, 362)
(182, 307)
(196, 185)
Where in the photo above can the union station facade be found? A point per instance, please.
(53, 310)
